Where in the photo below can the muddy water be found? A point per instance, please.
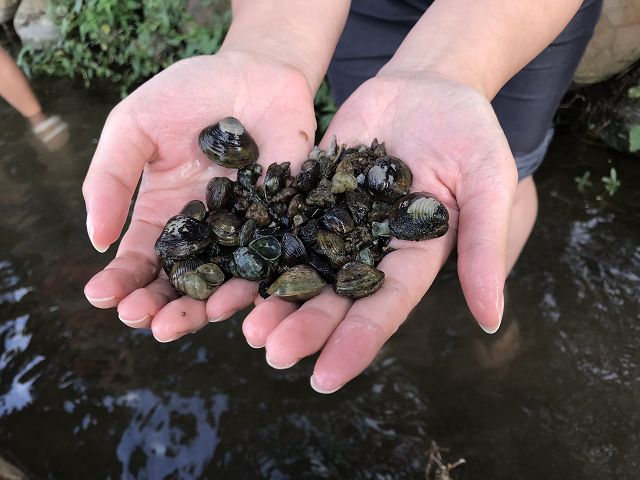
(556, 394)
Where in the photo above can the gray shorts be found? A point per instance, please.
(526, 104)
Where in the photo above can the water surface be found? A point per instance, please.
(556, 394)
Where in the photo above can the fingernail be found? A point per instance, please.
(488, 330)
(324, 391)
(175, 337)
(90, 231)
(134, 323)
(279, 366)
(222, 317)
(106, 302)
(252, 345)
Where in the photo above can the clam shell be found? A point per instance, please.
(337, 220)
(418, 216)
(293, 250)
(332, 246)
(276, 178)
(225, 227)
(228, 144)
(267, 247)
(219, 193)
(247, 232)
(196, 279)
(309, 175)
(250, 265)
(357, 280)
(182, 237)
(389, 179)
(194, 209)
(297, 284)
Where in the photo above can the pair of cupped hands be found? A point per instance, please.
(446, 132)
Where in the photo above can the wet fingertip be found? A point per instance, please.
(322, 389)
(101, 302)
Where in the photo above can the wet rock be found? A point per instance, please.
(615, 45)
(34, 24)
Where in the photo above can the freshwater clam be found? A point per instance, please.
(297, 284)
(276, 178)
(337, 220)
(267, 247)
(309, 175)
(225, 227)
(357, 280)
(219, 193)
(389, 178)
(194, 209)
(182, 237)
(293, 250)
(418, 216)
(228, 144)
(250, 265)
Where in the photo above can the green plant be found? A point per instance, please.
(611, 183)
(122, 41)
(325, 109)
(583, 183)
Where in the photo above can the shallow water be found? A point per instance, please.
(556, 394)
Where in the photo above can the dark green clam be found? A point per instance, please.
(228, 144)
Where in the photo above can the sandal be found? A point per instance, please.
(53, 132)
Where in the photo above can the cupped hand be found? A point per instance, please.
(449, 135)
(153, 133)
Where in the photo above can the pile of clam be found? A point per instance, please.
(331, 223)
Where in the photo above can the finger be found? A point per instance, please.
(138, 308)
(135, 266)
(372, 320)
(177, 318)
(264, 319)
(123, 151)
(229, 298)
(306, 330)
(482, 247)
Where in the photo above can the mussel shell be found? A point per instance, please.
(337, 220)
(248, 176)
(321, 196)
(267, 247)
(228, 144)
(247, 232)
(194, 209)
(225, 227)
(359, 203)
(297, 284)
(182, 237)
(418, 216)
(250, 265)
(276, 178)
(293, 250)
(389, 179)
(357, 280)
(332, 246)
(259, 212)
(309, 175)
(219, 193)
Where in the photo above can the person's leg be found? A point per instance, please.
(52, 131)
(525, 108)
(373, 32)
(15, 89)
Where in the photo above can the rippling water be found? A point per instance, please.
(556, 394)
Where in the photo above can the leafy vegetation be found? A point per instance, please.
(125, 42)
(122, 41)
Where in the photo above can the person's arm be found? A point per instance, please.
(481, 44)
(300, 33)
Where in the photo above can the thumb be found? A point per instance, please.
(123, 151)
(485, 211)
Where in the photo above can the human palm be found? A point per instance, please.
(451, 139)
(154, 133)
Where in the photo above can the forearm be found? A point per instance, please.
(299, 33)
(481, 43)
